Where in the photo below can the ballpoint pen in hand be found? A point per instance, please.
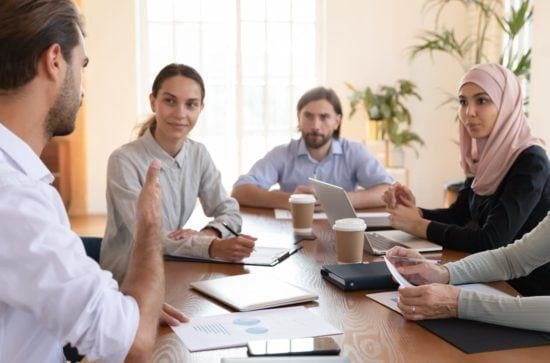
(233, 232)
(230, 229)
(415, 260)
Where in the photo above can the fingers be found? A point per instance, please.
(389, 197)
(166, 319)
(410, 312)
(302, 189)
(153, 172)
(249, 237)
(182, 233)
(175, 313)
(245, 243)
(412, 269)
(398, 251)
(410, 292)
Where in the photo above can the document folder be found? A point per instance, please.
(359, 276)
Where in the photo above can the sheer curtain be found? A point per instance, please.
(256, 57)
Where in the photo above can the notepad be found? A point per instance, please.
(253, 291)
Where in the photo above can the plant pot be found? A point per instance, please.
(397, 157)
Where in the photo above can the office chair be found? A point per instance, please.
(92, 245)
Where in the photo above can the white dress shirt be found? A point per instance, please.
(51, 293)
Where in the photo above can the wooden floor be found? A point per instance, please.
(90, 225)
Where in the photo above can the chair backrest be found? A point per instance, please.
(92, 245)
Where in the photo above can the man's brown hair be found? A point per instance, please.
(27, 29)
(322, 93)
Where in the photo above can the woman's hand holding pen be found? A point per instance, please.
(232, 249)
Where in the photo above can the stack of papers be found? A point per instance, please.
(373, 219)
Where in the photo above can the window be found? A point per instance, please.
(521, 44)
(257, 57)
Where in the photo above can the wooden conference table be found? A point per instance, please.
(371, 331)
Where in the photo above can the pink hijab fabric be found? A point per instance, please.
(488, 160)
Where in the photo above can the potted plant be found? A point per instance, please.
(392, 118)
(474, 47)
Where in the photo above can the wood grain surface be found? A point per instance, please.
(371, 331)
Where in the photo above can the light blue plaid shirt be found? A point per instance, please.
(348, 164)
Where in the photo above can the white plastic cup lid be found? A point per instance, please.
(350, 225)
(302, 198)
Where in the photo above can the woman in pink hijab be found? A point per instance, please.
(507, 190)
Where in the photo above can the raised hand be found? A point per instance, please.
(148, 208)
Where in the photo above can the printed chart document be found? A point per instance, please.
(373, 219)
(237, 329)
(389, 298)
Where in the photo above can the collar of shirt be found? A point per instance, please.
(159, 153)
(335, 149)
(23, 157)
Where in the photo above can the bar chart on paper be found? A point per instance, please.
(236, 329)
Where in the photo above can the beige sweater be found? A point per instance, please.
(513, 261)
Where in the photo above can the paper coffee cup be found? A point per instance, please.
(301, 207)
(350, 234)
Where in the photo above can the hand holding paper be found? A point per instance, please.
(396, 275)
(416, 271)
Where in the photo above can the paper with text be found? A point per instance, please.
(237, 329)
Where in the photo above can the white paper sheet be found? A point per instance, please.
(389, 298)
(396, 274)
(376, 219)
(237, 329)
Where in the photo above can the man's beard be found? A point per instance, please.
(61, 118)
(314, 140)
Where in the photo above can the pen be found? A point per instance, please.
(417, 260)
(234, 233)
(230, 229)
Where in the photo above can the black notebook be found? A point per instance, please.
(359, 276)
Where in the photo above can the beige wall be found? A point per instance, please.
(540, 76)
(111, 108)
(369, 48)
(365, 44)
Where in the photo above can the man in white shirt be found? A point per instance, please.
(51, 293)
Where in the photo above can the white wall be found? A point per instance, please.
(366, 44)
(111, 108)
(540, 76)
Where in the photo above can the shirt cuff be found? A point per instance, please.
(193, 246)
(225, 233)
(453, 276)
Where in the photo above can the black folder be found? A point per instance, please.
(359, 276)
(476, 337)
